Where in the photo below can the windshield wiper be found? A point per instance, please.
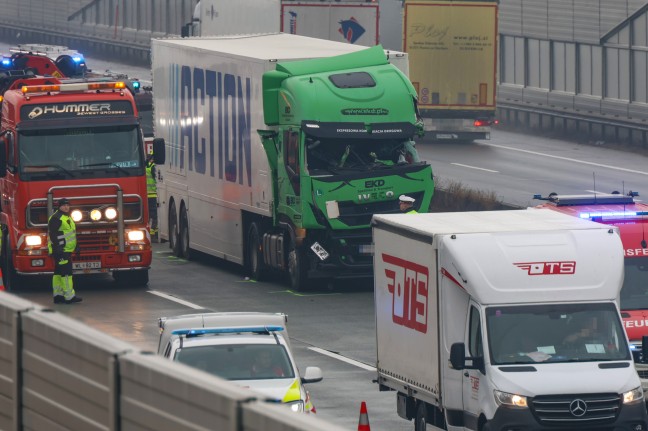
(59, 167)
(109, 164)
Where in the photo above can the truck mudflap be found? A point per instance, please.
(340, 254)
(624, 417)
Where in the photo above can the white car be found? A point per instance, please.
(249, 349)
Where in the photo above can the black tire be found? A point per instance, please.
(183, 237)
(255, 264)
(138, 278)
(297, 268)
(420, 422)
(9, 276)
(173, 229)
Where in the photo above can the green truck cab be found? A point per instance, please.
(340, 146)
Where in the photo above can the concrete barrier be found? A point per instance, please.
(59, 374)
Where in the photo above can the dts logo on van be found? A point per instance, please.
(408, 284)
(548, 268)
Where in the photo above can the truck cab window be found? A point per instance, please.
(475, 345)
(11, 153)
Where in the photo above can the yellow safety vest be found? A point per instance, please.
(151, 186)
(67, 234)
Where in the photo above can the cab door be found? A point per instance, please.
(473, 378)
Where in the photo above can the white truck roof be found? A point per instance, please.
(270, 46)
(508, 257)
(484, 222)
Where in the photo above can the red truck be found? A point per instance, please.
(631, 218)
(79, 139)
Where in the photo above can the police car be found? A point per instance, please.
(249, 349)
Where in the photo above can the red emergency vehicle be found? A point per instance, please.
(631, 217)
(81, 140)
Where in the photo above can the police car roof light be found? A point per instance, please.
(206, 331)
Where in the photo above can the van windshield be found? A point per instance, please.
(555, 333)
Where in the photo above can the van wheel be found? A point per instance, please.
(256, 266)
(421, 417)
(297, 268)
(173, 229)
(183, 238)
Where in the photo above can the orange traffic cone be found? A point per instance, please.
(363, 423)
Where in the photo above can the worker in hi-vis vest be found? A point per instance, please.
(406, 204)
(61, 243)
(151, 192)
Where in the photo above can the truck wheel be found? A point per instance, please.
(421, 417)
(139, 278)
(183, 237)
(297, 268)
(256, 265)
(9, 275)
(173, 229)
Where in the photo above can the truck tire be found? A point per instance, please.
(183, 237)
(297, 268)
(255, 263)
(9, 276)
(173, 229)
(139, 278)
(420, 422)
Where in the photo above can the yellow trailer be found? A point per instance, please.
(452, 47)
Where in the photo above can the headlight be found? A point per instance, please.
(33, 240)
(510, 399)
(110, 213)
(76, 215)
(135, 235)
(296, 406)
(633, 396)
(95, 215)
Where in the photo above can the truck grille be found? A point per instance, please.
(104, 241)
(576, 410)
(359, 214)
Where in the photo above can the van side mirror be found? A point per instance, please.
(159, 155)
(458, 356)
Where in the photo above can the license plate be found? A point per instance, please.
(86, 265)
(366, 249)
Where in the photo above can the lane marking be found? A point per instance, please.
(178, 300)
(343, 359)
(475, 167)
(600, 165)
(292, 292)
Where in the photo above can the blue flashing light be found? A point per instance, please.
(205, 331)
(77, 58)
(136, 85)
(6, 62)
